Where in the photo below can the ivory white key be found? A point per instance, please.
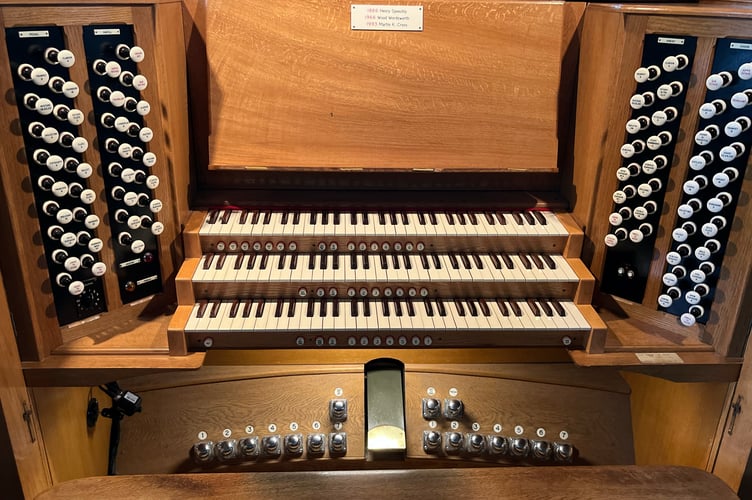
(193, 319)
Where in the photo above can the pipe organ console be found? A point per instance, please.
(374, 225)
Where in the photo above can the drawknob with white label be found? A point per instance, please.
(54, 140)
(712, 187)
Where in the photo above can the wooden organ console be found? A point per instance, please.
(321, 235)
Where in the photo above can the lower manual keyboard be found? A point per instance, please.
(292, 323)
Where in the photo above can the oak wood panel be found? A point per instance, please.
(595, 483)
(597, 423)
(323, 95)
(734, 449)
(675, 423)
(73, 450)
(159, 439)
(601, 379)
(26, 443)
(555, 397)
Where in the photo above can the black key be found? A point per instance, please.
(502, 307)
(335, 261)
(395, 261)
(392, 218)
(213, 215)
(255, 218)
(278, 309)
(353, 261)
(450, 218)
(453, 261)
(436, 261)
(267, 217)
(251, 261)
(537, 262)
(296, 218)
(518, 218)
(465, 261)
(424, 261)
(291, 310)
(323, 308)
(484, 307)
(428, 306)
(432, 218)
(461, 218)
(354, 218)
(460, 309)
(260, 308)
(365, 218)
(247, 305)
(366, 265)
(243, 216)
(208, 261)
(534, 307)
(335, 308)
(264, 260)
(226, 216)
(281, 264)
(406, 258)
(312, 218)
(397, 308)
(515, 308)
(312, 261)
(323, 261)
(478, 262)
(559, 308)
(294, 261)
(239, 261)
(507, 261)
(495, 260)
(309, 308)
(440, 307)
(366, 307)
(221, 261)
(354, 308)
(285, 216)
(502, 218)
(336, 218)
(525, 261)
(547, 310)
(384, 261)
(529, 217)
(421, 219)
(403, 216)
(234, 308)
(201, 308)
(325, 217)
(490, 218)
(541, 218)
(410, 309)
(472, 308)
(382, 218)
(548, 260)
(385, 304)
(473, 219)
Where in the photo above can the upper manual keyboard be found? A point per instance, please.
(265, 230)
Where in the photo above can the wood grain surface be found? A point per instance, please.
(563, 482)
(291, 89)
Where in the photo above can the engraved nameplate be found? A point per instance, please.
(386, 17)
